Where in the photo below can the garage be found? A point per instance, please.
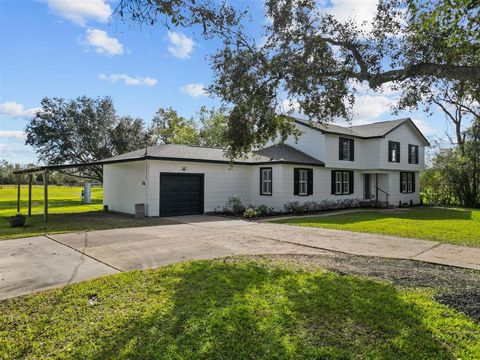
(181, 194)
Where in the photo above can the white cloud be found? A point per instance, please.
(369, 107)
(14, 109)
(195, 90)
(181, 45)
(80, 11)
(12, 134)
(358, 10)
(128, 80)
(102, 43)
(424, 127)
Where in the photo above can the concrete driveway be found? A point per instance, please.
(33, 264)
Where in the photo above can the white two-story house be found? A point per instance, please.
(327, 162)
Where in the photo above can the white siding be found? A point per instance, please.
(311, 142)
(405, 135)
(221, 182)
(123, 186)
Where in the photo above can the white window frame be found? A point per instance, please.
(338, 182)
(409, 182)
(346, 182)
(302, 182)
(266, 181)
(394, 152)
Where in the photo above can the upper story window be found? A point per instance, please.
(393, 151)
(302, 182)
(407, 182)
(412, 154)
(342, 182)
(346, 149)
(265, 181)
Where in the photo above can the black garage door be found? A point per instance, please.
(181, 194)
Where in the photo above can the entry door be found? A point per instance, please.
(367, 190)
(181, 194)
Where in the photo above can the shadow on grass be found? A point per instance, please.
(225, 311)
(82, 221)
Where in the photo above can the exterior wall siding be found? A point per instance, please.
(123, 187)
(139, 182)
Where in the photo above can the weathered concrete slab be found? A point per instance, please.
(452, 255)
(32, 264)
(38, 263)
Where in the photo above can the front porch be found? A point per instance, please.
(376, 187)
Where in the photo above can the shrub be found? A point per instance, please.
(264, 210)
(294, 207)
(234, 206)
(251, 213)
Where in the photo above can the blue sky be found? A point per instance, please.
(68, 48)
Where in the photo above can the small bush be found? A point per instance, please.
(264, 210)
(294, 207)
(234, 206)
(251, 213)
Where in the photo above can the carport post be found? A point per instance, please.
(19, 179)
(30, 179)
(45, 195)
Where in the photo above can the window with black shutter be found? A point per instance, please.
(412, 154)
(266, 181)
(393, 151)
(302, 182)
(342, 182)
(346, 149)
(407, 182)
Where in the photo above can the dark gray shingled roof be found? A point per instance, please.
(280, 153)
(377, 129)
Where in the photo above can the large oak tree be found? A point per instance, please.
(311, 59)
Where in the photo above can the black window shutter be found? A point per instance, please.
(310, 182)
(351, 182)
(352, 150)
(401, 177)
(416, 154)
(410, 160)
(340, 149)
(398, 152)
(413, 182)
(295, 181)
(333, 182)
(390, 151)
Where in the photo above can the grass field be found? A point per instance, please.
(455, 226)
(66, 212)
(234, 310)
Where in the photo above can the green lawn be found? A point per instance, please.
(234, 310)
(455, 226)
(66, 212)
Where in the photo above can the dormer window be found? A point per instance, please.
(393, 151)
(346, 149)
(412, 154)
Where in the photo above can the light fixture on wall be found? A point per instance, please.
(184, 168)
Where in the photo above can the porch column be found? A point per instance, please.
(30, 180)
(45, 195)
(376, 187)
(19, 179)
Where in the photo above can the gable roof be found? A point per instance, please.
(275, 154)
(367, 131)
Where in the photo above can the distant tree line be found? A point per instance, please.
(83, 130)
(7, 177)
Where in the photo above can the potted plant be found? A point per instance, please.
(17, 220)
